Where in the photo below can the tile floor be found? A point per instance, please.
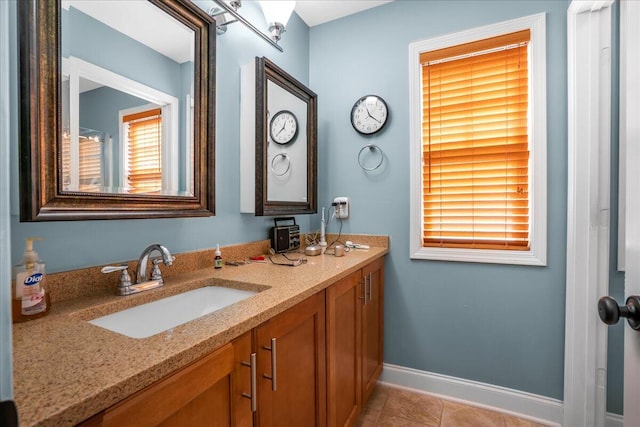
(395, 407)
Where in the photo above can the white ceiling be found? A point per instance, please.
(316, 12)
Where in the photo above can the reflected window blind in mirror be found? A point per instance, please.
(83, 170)
(475, 139)
(143, 132)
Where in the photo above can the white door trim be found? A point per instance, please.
(589, 112)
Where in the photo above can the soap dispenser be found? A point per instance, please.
(29, 297)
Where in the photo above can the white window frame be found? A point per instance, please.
(537, 253)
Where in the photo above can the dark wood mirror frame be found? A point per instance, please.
(41, 198)
(265, 71)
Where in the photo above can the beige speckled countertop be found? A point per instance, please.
(66, 369)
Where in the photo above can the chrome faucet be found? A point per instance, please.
(142, 282)
(141, 271)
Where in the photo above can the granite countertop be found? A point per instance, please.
(67, 370)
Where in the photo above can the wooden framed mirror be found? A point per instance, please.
(93, 88)
(286, 143)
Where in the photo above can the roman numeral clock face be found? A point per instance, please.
(369, 114)
(284, 127)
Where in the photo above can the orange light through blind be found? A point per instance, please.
(90, 164)
(144, 151)
(475, 144)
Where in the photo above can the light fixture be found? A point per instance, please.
(220, 15)
(277, 14)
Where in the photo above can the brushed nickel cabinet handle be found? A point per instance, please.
(273, 377)
(253, 396)
(364, 290)
(367, 289)
(370, 288)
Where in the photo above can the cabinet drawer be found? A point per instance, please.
(201, 390)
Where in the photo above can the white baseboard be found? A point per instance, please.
(529, 406)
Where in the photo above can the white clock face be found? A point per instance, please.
(284, 127)
(369, 114)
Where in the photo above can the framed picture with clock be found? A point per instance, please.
(369, 114)
(283, 127)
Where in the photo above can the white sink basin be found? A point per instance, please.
(154, 317)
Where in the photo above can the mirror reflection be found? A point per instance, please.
(127, 87)
(286, 146)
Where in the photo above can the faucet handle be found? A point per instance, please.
(112, 268)
(125, 278)
(156, 274)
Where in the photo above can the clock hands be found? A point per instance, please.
(369, 114)
(283, 128)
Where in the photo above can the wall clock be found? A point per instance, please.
(369, 114)
(283, 127)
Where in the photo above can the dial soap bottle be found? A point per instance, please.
(29, 297)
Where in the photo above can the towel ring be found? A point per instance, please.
(371, 147)
(284, 157)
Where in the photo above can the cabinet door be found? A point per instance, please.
(244, 384)
(291, 366)
(197, 395)
(344, 310)
(372, 325)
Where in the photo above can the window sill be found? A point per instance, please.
(488, 256)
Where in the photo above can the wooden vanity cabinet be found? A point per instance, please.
(354, 342)
(315, 365)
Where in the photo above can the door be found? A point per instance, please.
(608, 309)
(291, 366)
(344, 324)
(372, 315)
(244, 381)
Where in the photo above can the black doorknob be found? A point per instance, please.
(610, 312)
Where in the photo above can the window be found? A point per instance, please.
(479, 145)
(82, 169)
(143, 132)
